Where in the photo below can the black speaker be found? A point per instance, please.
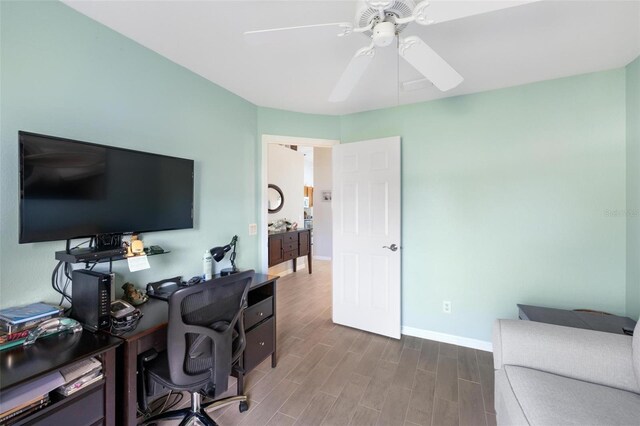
(91, 299)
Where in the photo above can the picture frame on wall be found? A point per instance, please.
(326, 196)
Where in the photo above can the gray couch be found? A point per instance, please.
(552, 375)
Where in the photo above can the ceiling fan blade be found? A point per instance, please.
(352, 74)
(276, 35)
(429, 63)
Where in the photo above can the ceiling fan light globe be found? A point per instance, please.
(384, 33)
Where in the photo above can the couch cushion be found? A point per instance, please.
(548, 399)
(508, 409)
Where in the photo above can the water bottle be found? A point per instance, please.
(207, 264)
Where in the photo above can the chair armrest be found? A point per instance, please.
(592, 356)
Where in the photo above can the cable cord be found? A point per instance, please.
(58, 285)
(127, 324)
(162, 405)
(84, 242)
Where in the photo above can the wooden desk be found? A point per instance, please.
(260, 328)
(95, 403)
(567, 318)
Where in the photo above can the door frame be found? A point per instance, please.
(281, 140)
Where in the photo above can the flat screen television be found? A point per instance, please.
(71, 189)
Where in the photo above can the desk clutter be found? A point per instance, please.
(17, 322)
(79, 375)
(25, 400)
(164, 288)
(22, 401)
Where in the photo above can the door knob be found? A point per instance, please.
(393, 247)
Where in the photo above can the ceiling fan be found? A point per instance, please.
(382, 21)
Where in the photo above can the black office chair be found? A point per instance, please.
(205, 338)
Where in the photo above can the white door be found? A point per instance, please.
(366, 235)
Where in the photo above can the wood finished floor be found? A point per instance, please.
(328, 374)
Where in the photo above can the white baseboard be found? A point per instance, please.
(448, 338)
(321, 257)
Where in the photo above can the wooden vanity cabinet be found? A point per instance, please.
(289, 245)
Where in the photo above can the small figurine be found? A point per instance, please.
(133, 295)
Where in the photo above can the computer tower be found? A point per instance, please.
(91, 299)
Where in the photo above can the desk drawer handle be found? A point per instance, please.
(261, 343)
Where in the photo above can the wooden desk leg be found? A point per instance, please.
(294, 264)
(109, 358)
(130, 385)
(274, 361)
(309, 262)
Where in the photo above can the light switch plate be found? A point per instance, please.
(253, 229)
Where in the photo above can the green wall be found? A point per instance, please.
(506, 199)
(633, 188)
(64, 74)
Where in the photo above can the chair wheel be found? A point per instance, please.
(244, 406)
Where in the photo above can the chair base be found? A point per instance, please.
(197, 410)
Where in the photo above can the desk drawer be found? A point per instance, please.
(259, 345)
(291, 237)
(288, 255)
(258, 312)
(288, 246)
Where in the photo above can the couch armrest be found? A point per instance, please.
(592, 356)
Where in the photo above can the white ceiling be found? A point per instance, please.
(508, 47)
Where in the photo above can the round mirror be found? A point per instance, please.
(275, 198)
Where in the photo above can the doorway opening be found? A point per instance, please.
(296, 193)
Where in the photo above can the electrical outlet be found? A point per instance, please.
(446, 307)
(253, 229)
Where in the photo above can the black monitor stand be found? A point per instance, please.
(102, 246)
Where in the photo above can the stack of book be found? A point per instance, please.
(23, 400)
(17, 322)
(24, 410)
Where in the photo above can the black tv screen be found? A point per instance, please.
(71, 189)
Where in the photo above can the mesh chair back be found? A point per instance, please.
(202, 325)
